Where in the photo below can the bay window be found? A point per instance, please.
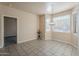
(61, 23)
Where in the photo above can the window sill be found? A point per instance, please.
(61, 31)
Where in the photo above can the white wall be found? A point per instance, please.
(75, 36)
(1, 32)
(26, 23)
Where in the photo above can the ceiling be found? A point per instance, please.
(41, 7)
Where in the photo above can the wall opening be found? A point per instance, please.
(10, 31)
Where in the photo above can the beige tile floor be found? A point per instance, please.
(39, 48)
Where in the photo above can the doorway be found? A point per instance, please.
(10, 31)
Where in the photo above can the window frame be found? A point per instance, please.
(60, 15)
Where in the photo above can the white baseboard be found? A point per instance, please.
(25, 41)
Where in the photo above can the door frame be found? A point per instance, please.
(2, 18)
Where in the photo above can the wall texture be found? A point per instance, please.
(26, 24)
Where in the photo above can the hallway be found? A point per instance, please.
(40, 48)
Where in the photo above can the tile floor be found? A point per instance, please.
(39, 48)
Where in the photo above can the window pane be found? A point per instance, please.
(47, 23)
(62, 23)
